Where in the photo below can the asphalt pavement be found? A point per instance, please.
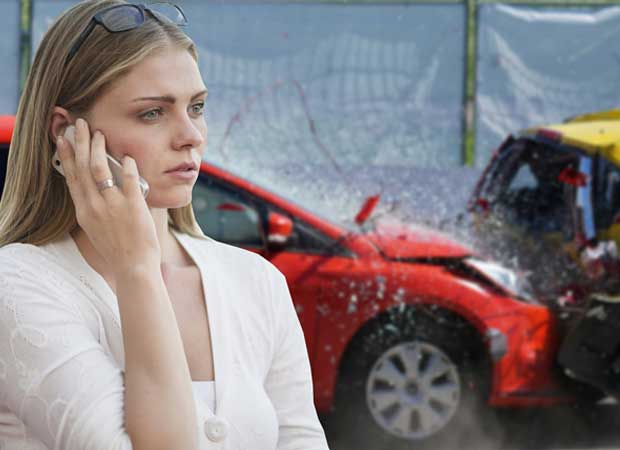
(558, 428)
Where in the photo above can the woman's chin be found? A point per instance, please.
(168, 201)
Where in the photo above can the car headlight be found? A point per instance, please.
(505, 278)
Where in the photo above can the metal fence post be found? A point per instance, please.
(25, 41)
(469, 101)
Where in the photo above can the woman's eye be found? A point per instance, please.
(198, 108)
(152, 114)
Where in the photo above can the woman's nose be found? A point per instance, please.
(191, 133)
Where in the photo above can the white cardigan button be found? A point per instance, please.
(216, 429)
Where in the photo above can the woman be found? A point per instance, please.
(117, 314)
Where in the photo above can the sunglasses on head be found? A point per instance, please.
(119, 18)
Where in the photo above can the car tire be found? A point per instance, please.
(383, 400)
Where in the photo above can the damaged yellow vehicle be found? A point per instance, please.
(548, 205)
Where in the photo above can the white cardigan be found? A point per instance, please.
(62, 359)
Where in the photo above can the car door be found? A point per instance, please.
(308, 260)
(230, 214)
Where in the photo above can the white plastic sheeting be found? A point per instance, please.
(542, 65)
(9, 49)
(374, 84)
(44, 12)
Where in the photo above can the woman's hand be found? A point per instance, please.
(117, 221)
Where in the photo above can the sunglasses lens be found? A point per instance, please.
(122, 18)
(168, 11)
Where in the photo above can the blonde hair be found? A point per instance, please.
(36, 206)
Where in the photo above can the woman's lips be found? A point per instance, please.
(184, 166)
(183, 174)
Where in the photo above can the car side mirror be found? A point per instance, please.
(279, 229)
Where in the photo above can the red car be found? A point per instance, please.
(406, 329)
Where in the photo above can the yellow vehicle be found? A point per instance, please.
(549, 204)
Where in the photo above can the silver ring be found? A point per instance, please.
(105, 184)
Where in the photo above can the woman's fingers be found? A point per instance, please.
(82, 152)
(67, 159)
(99, 164)
(131, 185)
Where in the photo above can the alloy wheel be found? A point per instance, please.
(413, 390)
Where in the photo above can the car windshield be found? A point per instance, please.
(524, 187)
(531, 202)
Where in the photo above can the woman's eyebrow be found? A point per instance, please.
(168, 98)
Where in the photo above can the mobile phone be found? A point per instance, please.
(115, 166)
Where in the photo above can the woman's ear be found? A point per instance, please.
(61, 119)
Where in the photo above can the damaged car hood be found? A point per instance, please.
(397, 241)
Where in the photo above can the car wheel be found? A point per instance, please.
(422, 384)
(413, 390)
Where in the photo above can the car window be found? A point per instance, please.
(4, 155)
(524, 179)
(225, 215)
(223, 224)
(526, 190)
(307, 239)
(606, 193)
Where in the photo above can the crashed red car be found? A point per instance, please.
(406, 329)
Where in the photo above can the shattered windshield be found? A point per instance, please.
(526, 190)
(528, 205)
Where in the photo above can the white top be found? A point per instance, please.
(62, 358)
(205, 390)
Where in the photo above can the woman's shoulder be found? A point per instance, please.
(27, 263)
(17, 253)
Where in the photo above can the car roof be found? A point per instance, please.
(596, 133)
(6, 128)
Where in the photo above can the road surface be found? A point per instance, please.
(561, 428)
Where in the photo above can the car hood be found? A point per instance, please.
(397, 241)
